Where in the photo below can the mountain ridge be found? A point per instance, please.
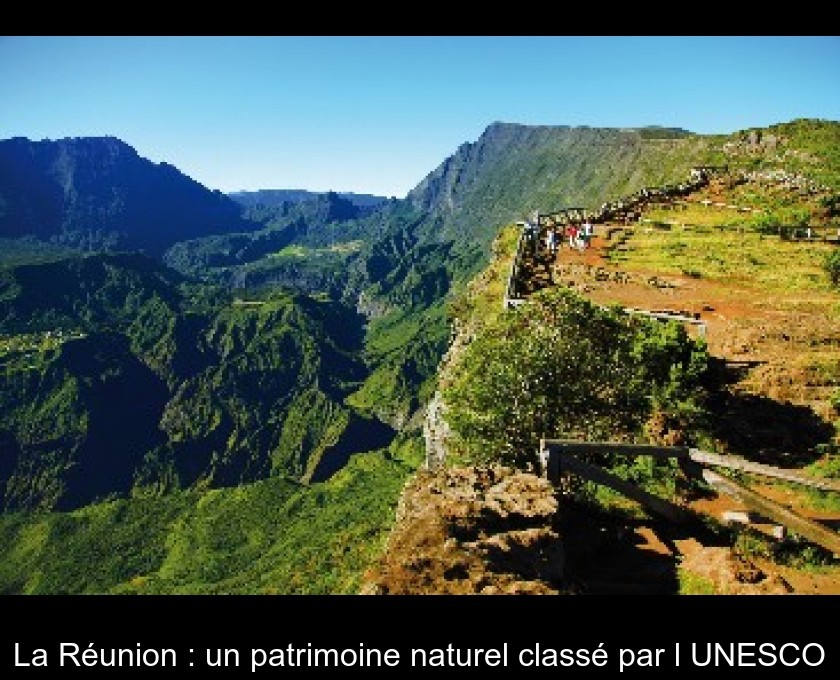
(94, 192)
(274, 197)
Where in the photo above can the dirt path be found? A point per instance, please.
(607, 554)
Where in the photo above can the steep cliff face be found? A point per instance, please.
(513, 169)
(95, 192)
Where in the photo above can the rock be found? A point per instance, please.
(487, 529)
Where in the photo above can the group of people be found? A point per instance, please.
(579, 237)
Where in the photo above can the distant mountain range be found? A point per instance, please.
(97, 192)
(276, 197)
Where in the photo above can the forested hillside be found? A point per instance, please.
(120, 377)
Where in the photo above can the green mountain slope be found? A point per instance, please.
(118, 376)
(272, 536)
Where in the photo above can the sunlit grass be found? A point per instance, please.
(700, 215)
(482, 299)
(694, 584)
(294, 251)
(750, 259)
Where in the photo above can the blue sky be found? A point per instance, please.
(376, 114)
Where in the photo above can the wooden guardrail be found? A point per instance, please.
(743, 465)
(564, 216)
(670, 316)
(558, 456)
(810, 529)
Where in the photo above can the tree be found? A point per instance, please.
(563, 367)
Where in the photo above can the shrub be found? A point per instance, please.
(832, 267)
(563, 367)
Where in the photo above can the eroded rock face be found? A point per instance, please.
(482, 530)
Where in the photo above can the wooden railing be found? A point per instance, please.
(557, 457)
(699, 324)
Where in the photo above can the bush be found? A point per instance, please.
(835, 401)
(832, 266)
(767, 223)
(562, 367)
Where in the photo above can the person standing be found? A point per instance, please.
(551, 241)
(572, 231)
(531, 237)
(587, 233)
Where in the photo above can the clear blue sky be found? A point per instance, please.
(376, 114)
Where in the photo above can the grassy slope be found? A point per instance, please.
(780, 267)
(273, 536)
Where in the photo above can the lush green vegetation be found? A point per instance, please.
(403, 350)
(832, 266)
(152, 383)
(811, 147)
(562, 367)
(272, 536)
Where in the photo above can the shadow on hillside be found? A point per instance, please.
(362, 434)
(605, 555)
(767, 431)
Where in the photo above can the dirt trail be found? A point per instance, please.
(646, 556)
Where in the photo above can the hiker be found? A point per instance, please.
(551, 242)
(531, 237)
(587, 233)
(572, 231)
